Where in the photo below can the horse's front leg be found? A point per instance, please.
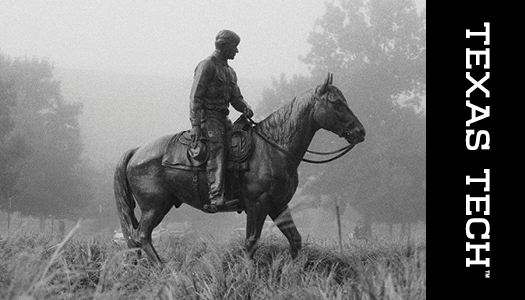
(255, 215)
(283, 219)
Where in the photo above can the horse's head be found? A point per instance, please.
(332, 113)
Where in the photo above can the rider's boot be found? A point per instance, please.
(214, 170)
(216, 204)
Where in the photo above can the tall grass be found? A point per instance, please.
(36, 266)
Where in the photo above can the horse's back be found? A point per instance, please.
(153, 150)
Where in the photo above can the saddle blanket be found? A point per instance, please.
(176, 154)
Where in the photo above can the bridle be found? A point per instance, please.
(341, 151)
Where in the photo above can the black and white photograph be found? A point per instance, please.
(270, 149)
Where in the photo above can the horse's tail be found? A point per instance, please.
(124, 199)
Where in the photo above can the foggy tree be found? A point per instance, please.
(392, 187)
(378, 48)
(51, 179)
(12, 147)
(377, 52)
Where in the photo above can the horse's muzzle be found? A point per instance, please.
(355, 135)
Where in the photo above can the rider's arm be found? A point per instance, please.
(201, 79)
(237, 100)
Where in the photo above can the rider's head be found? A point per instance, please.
(226, 42)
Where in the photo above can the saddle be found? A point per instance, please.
(179, 155)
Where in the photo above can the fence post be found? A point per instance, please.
(10, 209)
(339, 224)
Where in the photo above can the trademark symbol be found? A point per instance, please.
(487, 274)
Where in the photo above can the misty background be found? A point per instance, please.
(82, 82)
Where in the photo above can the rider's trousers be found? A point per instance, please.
(216, 129)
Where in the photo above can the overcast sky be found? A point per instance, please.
(165, 37)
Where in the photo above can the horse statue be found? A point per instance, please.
(266, 187)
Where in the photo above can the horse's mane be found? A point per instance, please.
(280, 125)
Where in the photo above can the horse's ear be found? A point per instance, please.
(329, 79)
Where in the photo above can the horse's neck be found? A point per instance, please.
(292, 126)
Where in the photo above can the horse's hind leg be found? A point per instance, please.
(150, 218)
(283, 220)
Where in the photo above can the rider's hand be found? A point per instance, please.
(248, 112)
(195, 134)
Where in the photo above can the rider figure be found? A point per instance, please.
(214, 89)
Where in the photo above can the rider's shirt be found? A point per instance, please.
(214, 89)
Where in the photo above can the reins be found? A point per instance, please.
(343, 150)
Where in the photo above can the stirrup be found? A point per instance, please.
(213, 208)
(231, 202)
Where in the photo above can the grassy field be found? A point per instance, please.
(39, 266)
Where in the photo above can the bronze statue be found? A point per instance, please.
(214, 89)
(279, 143)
